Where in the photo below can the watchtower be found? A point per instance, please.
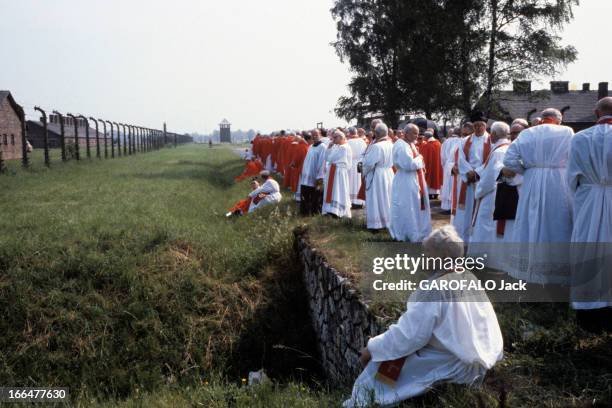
(225, 131)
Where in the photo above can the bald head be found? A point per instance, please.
(604, 106)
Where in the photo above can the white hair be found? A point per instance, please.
(444, 242)
(552, 113)
(352, 130)
(520, 121)
(381, 130)
(411, 126)
(500, 129)
(338, 132)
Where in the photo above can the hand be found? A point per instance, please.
(364, 356)
(471, 176)
(455, 171)
(506, 172)
(319, 183)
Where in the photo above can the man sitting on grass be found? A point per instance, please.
(444, 336)
(268, 193)
(242, 206)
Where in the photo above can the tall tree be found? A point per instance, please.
(438, 56)
(368, 40)
(404, 55)
(524, 41)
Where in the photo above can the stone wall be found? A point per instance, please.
(342, 322)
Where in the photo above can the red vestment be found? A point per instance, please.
(433, 163)
(242, 206)
(252, 169)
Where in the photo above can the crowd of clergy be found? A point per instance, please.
(513, 191)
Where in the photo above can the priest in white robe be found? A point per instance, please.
(487, 235)
(447, 156)
(544, 213)
(410, 212)
(589, 174)
(358, 147)
(336, 190)
(440, 338)
(378, 174)
(268, 193)
(473, 152)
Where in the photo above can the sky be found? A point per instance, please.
(263, 65)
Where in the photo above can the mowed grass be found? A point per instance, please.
(124, 274)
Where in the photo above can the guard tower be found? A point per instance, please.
(225, 132)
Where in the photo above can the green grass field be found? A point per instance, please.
(124, 274)
(123, 280)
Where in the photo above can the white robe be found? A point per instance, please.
(272, 189)
(544, 213)
(463, 217)
(340, 205)
(377, 163)
(444, 339)
(447, 156)
(589, 174)
(408, 221)
(314, 163)
(358, 146)
(484, 238)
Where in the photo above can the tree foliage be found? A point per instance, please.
(436, 57)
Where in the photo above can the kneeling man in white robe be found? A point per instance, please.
(268, 193)
(440, 338)
(337, 190)
(410, 212)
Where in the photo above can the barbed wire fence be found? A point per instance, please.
(64, 136)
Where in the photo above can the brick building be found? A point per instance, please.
(11, 116)
(577, 106)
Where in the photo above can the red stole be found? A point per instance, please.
(361, 195)
(330, 180)
(259, 197)
(420, 177)
(330, 183)
(548, 121)
(455, 176)
(466, 152)
(605, 121)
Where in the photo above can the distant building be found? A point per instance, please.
(577, 106)
(225, 131)
(11, 117)
(36, 132)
